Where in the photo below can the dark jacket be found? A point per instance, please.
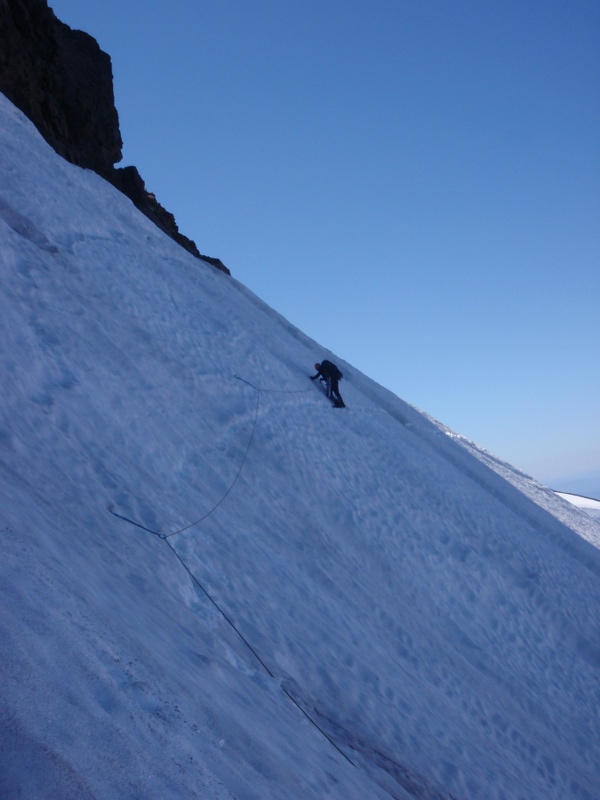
(328, 370)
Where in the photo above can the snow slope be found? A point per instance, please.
(587, 504)
(312, 603)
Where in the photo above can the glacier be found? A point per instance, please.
(214, 585)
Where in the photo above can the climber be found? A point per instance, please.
(328, 372)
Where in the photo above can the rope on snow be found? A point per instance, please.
(229, 621)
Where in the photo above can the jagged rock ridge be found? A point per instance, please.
(63, 81)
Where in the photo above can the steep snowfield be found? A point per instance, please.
(312, 603)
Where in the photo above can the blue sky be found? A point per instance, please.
(414, 184)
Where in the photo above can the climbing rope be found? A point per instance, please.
(239, 472)
(163, 535)
(220, 610)
(254, 653)
(225, 616)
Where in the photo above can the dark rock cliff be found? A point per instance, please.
(62, 80)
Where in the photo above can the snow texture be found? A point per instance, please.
(587, 504)
(306, 603)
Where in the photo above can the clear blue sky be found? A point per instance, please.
(414, 183)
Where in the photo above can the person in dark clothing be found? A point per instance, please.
(328, 372)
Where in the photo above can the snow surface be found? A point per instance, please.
(337, 604)
(587, 504)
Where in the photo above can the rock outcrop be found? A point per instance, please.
(63, 81)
